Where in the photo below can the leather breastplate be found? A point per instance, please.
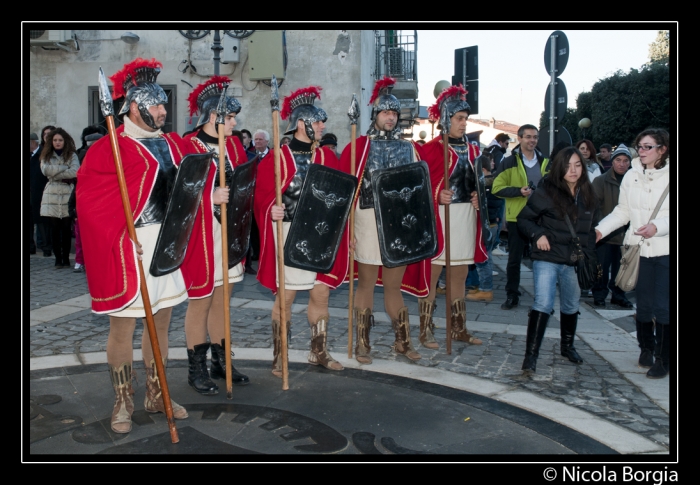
(462, 180)
(157, 204)
(382, 154)
(290, 197)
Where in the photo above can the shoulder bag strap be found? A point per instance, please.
(576, 240)
(658, 205)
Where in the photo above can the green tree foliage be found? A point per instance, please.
(659, 49)
(625, 104)
(621, 106)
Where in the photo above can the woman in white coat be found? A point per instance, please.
(59, 163)
(640, 191)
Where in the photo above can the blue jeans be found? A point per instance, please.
(485, 269)
(547, 275)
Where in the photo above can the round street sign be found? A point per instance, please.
(561, 55)
(561, 100)
(560, 134)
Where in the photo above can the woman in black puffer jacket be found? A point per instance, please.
(566, 190)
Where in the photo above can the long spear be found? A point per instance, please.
(275, 104)
(448, 271)
(220, 120)
(108, 112)
(354, 114)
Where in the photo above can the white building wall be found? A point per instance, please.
(340, 61)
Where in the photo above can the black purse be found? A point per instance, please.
(588, 269)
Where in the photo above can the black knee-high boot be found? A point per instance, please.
(645, 338)
(661, 352)
(568, 331)
(536, 326)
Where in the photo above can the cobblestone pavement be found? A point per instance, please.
(596, 386)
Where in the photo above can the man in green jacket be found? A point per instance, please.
(520, 174)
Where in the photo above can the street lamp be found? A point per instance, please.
(440, 86)
(583, 124)
(216, 47)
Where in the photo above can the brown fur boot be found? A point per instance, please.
(402, 344)
(319, 354)
(124, 402)
(154, 394)
(364, 321)
(277, 346)
(427, 327)
(459, 328)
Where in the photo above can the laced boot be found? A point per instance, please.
(536, 325)
(218, 365)
(319, 354)
(427, 327)
(645, 338)
(154, 394)
(402, 344)
(277, 346)
(197, 373)
(459, 328)
(567, 323)
(364, 322)
(123, 402)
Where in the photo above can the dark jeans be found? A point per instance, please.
(32, 245)
(516, 245)
(652, 290)
(609, 256)
(61, 235)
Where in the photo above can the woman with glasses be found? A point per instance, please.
(565, 191)
(640, 191)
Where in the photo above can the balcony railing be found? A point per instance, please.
(396, 54)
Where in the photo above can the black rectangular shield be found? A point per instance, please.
(179, 218)
(481, 195)
(239, 210)
(323, 209)
(405, 214)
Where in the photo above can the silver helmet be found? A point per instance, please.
(452, 100)
(136, 82)
(205, 99)
(383, 100)
(300, 106)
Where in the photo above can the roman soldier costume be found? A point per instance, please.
(208, 278)
(466, 246)
(378, 150)
(150, 160)
(295, 160)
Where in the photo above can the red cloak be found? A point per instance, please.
(110, 256)
(416, 279)
(435, 157)
(198, 266)
(264, 199)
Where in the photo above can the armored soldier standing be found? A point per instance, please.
(306, 124)
(150, 160)
(466, 246)
(205, 315)
(382, 148)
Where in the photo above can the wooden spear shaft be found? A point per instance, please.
(351, 256)
(150, 323)
(448, 271)
(280, 253)
(224, 263)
